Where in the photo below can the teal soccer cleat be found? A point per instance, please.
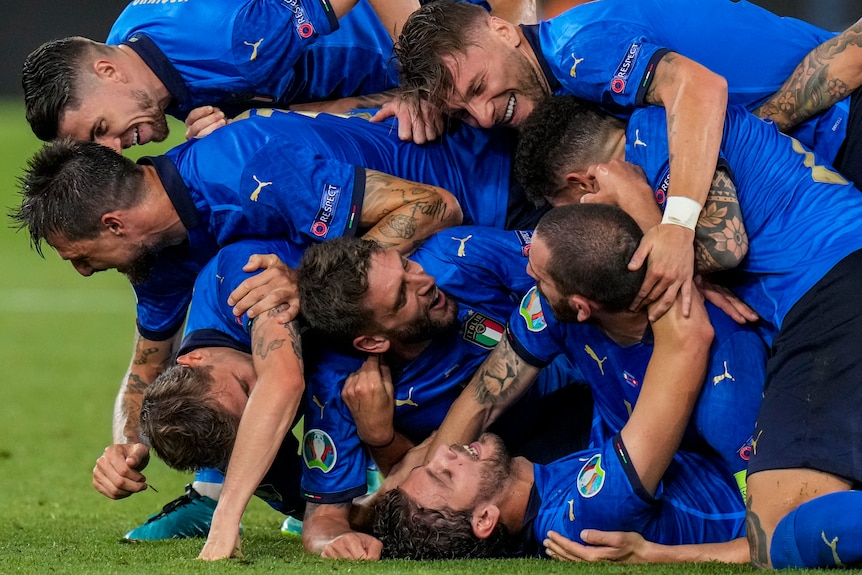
(187, 516)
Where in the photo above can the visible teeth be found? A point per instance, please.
(436, 297)
(472, 451)
(135, 137)
(510, 109)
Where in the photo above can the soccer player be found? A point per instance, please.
(804, 227)
(475, 501)
(425, 324)
(623, 55)
(169, 58)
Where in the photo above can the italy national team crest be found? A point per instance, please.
(318, 450)
(482, 330)
(591, 477)
(531, 311)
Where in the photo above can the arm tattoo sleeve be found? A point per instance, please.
(500, 379)
(720, 238)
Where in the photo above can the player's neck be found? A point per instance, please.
(400, 354)
(624, 327)
(513, 502)
(157, 213)
(527, 49)
(150, 83)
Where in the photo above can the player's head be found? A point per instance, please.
(353, 290)
(447, 508)
(190, 413)
(468, 63)
(83, 89)
(558, 143)
(76, 196)
(581, 251)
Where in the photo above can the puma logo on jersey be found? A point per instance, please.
(638, 141)
(461, 250)
(595, 357)
(260, 186)
(408, 401)
(723, 376)
(573, 72)
(833, 546)
(321, 406)
(254, 47)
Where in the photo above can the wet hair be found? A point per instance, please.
(410, 532)
(563, 134)
(589, 248)
(333, 281)
(436, 32)
(184, 423)
(52, 78)
(69, 185)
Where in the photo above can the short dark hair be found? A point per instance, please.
(410, 532)
(589, 248)
(563, 134)
(437, 31)
(184, 423)
(51, 78)
(69, 185)
(333, 281)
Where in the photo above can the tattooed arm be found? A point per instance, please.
(720, 237)
(401, 214)
(828, 73)
(117, 473)
(267, 418)
(499, 382)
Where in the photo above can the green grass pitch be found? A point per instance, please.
(64, 345)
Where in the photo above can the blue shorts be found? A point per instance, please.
(811, 415)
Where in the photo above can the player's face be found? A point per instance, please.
(406, 302)
(104, 252)
(232, 372)
(115, 117)
(460, 476)
(495, 84)
(537, 267)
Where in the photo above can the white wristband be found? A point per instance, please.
(681, 211)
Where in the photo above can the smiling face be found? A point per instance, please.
(405, 301)
(460, 477)
(495, 82)
(115, 116)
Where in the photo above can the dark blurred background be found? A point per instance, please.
(31, 22)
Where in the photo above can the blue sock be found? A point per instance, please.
(208, 482)
(823, 532)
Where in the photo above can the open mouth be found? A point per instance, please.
(437, 298)
(510, 110)
(472, 450)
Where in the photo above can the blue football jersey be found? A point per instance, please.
(724, 416)
(484, 270)
(801, 216)
(696, 502)
(606, 51)
(236, 54)
(255, 177)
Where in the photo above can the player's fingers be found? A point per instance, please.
(562, 548)
(261, 261)
(661, 299)
(385, 112)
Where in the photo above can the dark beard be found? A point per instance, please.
(427, 329)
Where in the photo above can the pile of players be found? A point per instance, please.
(669, 360)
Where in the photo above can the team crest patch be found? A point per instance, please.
(525, 237)
(531, 311)
(318, 450)
(482, 330)
(591, 477)
(624, 70)
(326, 212)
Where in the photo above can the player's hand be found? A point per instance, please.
(620, 546)
(273, 287)
(117, 473)
(418, 120)
(413, 458)
(369, 395)
(625, 185)
(203, 121)
(222, 545)
(726, 301)
(670, 269)
(353, 545)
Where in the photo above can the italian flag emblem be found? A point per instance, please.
(482, 330)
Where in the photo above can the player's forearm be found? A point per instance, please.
(401, 214)
(344, 105)
(393, 13)
(735, 551)
(149, 359)
(696, 101)
(828, 73)
(721, 240)
(389, 455)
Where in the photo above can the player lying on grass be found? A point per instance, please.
(804, 227)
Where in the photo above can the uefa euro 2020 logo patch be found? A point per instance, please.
(591, 477)
(318, 450)
(531, 311)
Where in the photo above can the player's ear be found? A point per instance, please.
(113, 222)
(505, 30)
(107, 69)
(581, 306)
(191, 358)
(371, 343)
(485, 518)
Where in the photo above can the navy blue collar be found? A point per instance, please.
(176, 189)
(161, 66)
(531, 33)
